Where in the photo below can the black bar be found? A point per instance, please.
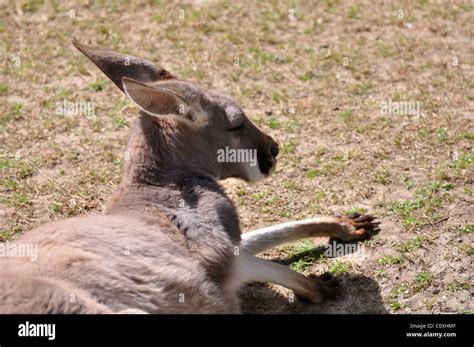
(157, 330)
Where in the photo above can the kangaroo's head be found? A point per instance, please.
(203, 131)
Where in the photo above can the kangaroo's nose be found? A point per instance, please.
(274, 149)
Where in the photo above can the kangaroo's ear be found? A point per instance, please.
(175, 98)
(154, 100)
(117, 66)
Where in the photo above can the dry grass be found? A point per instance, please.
(316, 78)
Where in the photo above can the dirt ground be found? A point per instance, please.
(371, 102)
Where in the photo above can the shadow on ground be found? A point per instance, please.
(359, 294)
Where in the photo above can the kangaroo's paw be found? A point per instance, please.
(324, 287)
(357, 226)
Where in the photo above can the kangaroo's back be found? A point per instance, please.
(92, 265)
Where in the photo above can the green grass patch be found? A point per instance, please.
(424, 278)
(307, 249)
(400, 289)
(339, 267)
(313, 173)
(359, 210)
(467, 229)
(422, 208)
(456, 286)
(391, 260)
(346, 116)
(382, 176)
(412, 244)
(97, 85)
(274, 123)
(288, 147)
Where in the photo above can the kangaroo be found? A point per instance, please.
(170, 240)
